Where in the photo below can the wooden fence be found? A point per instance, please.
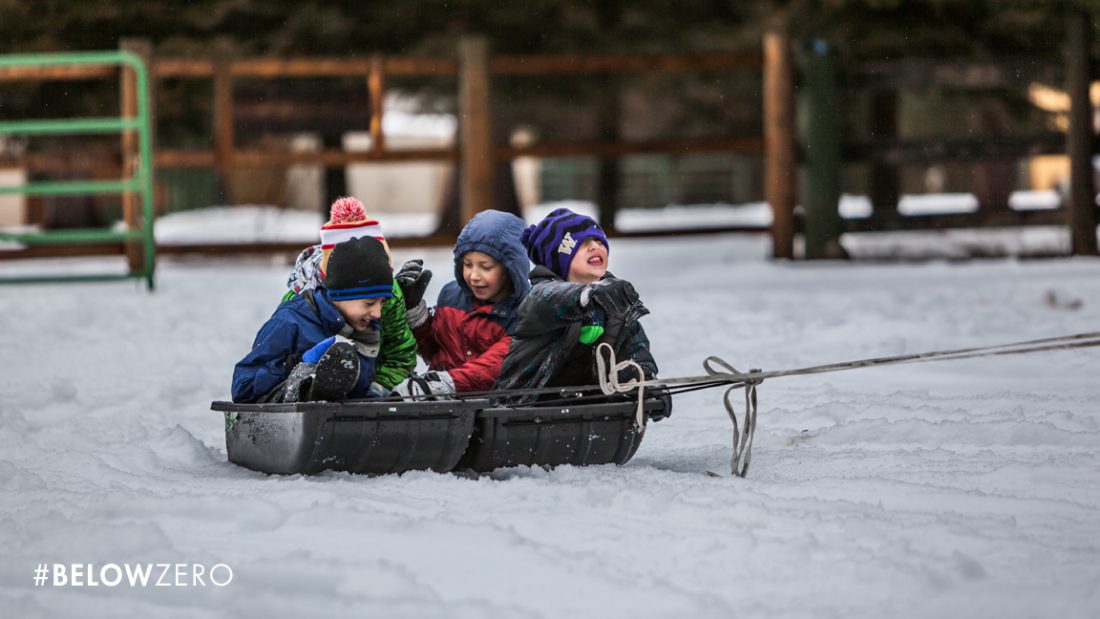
(823, 148)
(786, 85)
(475, 153)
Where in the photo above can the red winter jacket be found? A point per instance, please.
(463, 336)
(469, 345)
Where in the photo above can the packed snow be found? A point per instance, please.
(959, 489)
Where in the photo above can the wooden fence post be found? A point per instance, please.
(780, 160)
(475, 128)
(819, 107)
(376, 85)
(131, 153)
(608, 169)
(885, 185)
(223, 127)
(1082, 217)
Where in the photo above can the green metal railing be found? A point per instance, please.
(141, 184)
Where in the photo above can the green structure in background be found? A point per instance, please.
(820, 101)
(141, 184)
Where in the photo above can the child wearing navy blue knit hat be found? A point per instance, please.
(323, 344)
(573, 306)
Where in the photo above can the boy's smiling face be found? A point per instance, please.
(360, 312)
(487, 278)
(589, 262)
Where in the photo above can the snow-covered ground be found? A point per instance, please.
(958, 489)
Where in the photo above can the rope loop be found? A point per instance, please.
(742, 434)
(608, 372)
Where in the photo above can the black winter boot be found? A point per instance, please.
(336, 373)
(297, 386)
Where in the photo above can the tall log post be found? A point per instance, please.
(1079, 139)
(780, 161)
(131, 153)
(475, 128)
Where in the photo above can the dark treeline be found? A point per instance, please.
(879, 28)
(555, 108)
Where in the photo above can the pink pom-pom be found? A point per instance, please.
(347, 210)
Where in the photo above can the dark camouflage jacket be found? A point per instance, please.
(545, 346)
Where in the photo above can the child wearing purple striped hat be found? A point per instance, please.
(574, 305)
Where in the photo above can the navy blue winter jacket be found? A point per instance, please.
(293, 329)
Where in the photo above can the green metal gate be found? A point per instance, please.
(140, 184)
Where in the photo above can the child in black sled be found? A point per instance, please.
(324, 343)
(573, 306)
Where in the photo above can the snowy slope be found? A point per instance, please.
(959, 489)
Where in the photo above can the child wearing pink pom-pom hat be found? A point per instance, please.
(347, 220)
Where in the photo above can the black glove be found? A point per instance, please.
(614, 296)
(413, 279)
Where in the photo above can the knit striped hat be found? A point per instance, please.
(552, 241)
(347, 220)
(359, 268)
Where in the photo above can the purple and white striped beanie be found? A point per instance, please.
(552, 241)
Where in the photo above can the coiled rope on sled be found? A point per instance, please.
(726, 375)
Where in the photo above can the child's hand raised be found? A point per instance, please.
(413, 279)
(616, 297)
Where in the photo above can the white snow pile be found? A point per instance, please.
(957, 489)
(268, 224)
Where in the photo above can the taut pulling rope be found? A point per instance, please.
(726, 375)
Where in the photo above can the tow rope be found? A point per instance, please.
(720, 373)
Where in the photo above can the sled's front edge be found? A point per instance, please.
(369, 437)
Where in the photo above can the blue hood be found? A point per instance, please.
(495, 233)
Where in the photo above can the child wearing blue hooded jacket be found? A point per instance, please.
(304, 352)
(465, 337)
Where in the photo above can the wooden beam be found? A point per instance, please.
(184, 158)
(131, 151)
(338, 158)
(63, 251)
(193, 158)
(1082, 218)
(780, 160)
(183, 68)
(413, 66)
(923, 74)
(931, 150)
(588, 65)
(423, 66)
(376, 85)
(742, 146)
(305, 67)
(885, 182)
(62, 72)
(475, 128)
